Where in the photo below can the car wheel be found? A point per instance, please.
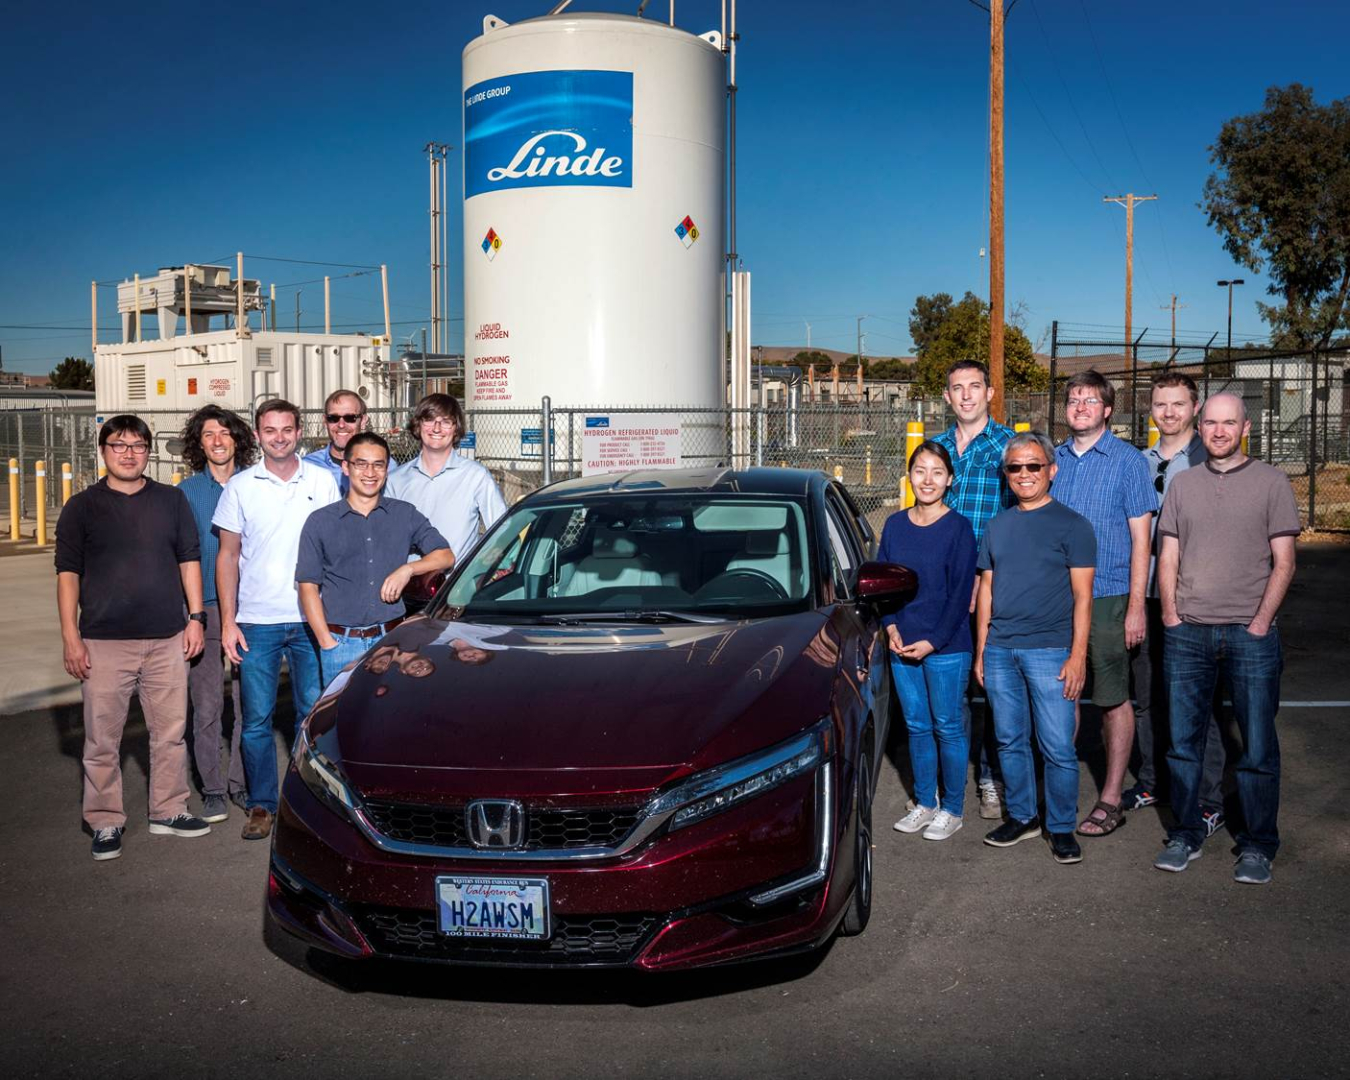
(860, 906)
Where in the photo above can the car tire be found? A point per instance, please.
(860, 904)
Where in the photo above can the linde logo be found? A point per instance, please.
(549, 129)
(533, 159)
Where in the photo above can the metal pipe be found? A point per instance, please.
(327, 307)
(14, 487)
(239, 327)
(272, 296)
(187, 297)
(384, 289)
(136, 299)
(546, 434)
(93, 319)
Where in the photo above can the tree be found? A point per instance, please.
(926, 318)
(963, 334)
(72, 373)
(1280, 199)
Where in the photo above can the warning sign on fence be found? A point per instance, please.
(613, 442)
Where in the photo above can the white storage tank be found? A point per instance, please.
(593, 201)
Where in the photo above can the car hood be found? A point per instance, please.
(646, 702)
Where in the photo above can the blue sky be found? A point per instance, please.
(295, 129)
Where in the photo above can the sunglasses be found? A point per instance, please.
(345, 417)
(1030, 466)
(1158, 481)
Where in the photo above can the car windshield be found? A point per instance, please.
(643, 557)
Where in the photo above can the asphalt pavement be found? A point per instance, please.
(977, 962)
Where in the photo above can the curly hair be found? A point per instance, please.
(437, 407)
(245, 445)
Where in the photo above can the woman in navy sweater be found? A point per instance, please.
(930, 640)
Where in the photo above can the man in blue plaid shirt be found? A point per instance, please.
(1108, 482)
(978, 492)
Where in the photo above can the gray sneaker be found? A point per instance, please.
(215, 808)
(1252, 868)
(1176, 856)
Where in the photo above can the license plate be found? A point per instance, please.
(492, 907)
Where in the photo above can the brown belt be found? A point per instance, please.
(366, 632)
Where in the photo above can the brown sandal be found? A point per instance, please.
(1110, 818)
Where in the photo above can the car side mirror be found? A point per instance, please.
(422, 590)
(885, 584)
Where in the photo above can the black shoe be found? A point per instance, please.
(179, 825)
(107, 843)
(240, 799)
(1013, 831)
(1065, 848)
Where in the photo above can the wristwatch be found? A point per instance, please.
(198, 616)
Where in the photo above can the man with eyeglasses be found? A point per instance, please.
(353, 562)
(259, 520)
(1174, 403)
(127, 557)
(458, 496)
(344, 415)
(1032, 618)
(1107, 481)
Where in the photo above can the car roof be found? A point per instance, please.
(775, 481)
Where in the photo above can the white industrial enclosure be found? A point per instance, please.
(593, 214)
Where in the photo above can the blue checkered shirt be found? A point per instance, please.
(979, 490)
(1108, 485)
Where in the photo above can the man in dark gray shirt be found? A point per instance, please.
(353, 564)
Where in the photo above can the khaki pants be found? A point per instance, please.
(154, 670)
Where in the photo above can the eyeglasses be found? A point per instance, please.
(440, 423)
(1084, 402)
(1159, 482)
(1015, 467)
(368, 466)
(128, 447)
(345, 418)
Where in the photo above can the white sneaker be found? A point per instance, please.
(916, 819)
(991, 800)
(943, 825)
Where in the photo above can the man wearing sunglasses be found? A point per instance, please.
(127, 557)
(1174, 403)
(344, 415)
(353, 563)
(1107, 481)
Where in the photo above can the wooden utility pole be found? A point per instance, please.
(1128, 201)
(1173, 308)
(996, 207)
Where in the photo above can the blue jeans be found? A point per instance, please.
(347, 649)
(258, 676)
(1195, 658)
(931, 695)
(1024, 689)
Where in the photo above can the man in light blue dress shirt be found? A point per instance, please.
(458, 496)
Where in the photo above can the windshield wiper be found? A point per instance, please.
(647, 615)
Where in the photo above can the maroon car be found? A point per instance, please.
(641, 725)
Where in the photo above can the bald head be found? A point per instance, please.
(1225, 403)
(1223, 426)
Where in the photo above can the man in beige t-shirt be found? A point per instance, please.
(1225, 560)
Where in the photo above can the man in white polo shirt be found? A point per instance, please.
(259, 518)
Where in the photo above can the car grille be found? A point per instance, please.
(545, 829)
(577, 940)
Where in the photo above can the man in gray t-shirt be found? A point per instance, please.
(1225, 561)
(1174, 405)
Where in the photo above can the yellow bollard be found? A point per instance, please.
(67, 482)
(176, 478)
(1153, 433)
(1245, 440)
(13, 498)
(913, 440)
(40, 498)
(839, 473)
(867, 474)
(102, 469)
(1021, 426)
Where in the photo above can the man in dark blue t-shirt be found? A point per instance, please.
(1032, 618)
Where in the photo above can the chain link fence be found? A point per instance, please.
(1298, 408)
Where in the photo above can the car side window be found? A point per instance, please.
(845, 558)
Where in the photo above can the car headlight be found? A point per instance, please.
(320, 773)
(729, 785)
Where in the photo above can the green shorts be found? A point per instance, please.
(1108, 658)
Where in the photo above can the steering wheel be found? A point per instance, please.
(763, 578)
